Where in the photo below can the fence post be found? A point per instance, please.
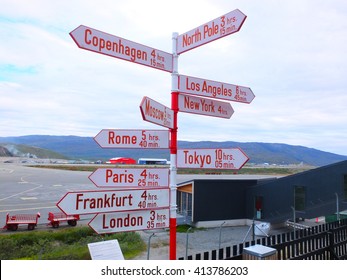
(331, 245)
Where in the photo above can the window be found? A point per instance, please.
(258, 204)
(299, 198)
(345, 187)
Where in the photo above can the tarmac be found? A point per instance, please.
(197, 240)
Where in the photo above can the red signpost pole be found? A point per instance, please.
(173, 150)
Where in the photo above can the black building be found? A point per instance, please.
(307, 195)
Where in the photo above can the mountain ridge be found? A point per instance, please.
(79, 147)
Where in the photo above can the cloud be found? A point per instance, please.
(290, 53)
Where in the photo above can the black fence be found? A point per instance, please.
(322, 242)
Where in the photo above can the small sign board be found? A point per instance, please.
(130, 221)
(233, 158)
(105, 250)
(100, 42)
(204, 106)
(154, 112)
(131, 138)
(213, 89)
(130, 177)
(94, 202)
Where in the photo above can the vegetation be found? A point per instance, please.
(64, 244)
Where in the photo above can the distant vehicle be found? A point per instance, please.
(154, 161)
(122, 160)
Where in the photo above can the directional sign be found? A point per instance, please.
(141, 139)
(130, 221)
(204, 106)
(154, 112)
(94, 202)
(213, 30)
(212, 89)
(130, 177)
(97, 41)
(233, 158)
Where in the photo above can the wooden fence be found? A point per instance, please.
(322, 242)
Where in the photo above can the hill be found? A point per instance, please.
(86, 148)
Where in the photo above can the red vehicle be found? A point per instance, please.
(13, 221)
(122, 160)
(56, 218)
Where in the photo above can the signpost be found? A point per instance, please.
(212, 89)
(204, 106)
(94, 202)
(130, 221)
(147, 208)
(97, 41)
(130, 177)
(154, 112)
(233, 158)
(143, 139)
(213, 30)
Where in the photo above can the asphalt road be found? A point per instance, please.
(28, 190)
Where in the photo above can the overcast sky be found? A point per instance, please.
(292, 54)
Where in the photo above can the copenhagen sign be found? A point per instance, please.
(97, 41)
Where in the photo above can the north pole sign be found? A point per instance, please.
(130, 177)
(94, 202)
(100, 42)
(213, 89)
(233, 158)
(213, 30)
(130, 221)
(127, 138)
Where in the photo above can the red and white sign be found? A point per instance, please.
(233, 158)
(154, 112)
(204, 106)
(130, 221)
(94, 202)
(212, 89)
(130, 177)
(97, 41)
(213, 30)
(140, 139)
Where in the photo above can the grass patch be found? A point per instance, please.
(65, 244)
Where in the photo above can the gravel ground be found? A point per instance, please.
(199, 241)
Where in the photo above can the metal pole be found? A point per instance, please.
(220, 234)
(187, 241)
(149, 245)
(173, 150)
(337, 207)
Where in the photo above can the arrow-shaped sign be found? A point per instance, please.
(130, 177)
(213, 30)
(94, 202)
(97, 41)
(233, 158)
(204, 106)
(141, 139)
(155, 112)
(130, 221)
(213, 89)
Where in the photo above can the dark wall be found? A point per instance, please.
(220, 199)
(320, 184)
